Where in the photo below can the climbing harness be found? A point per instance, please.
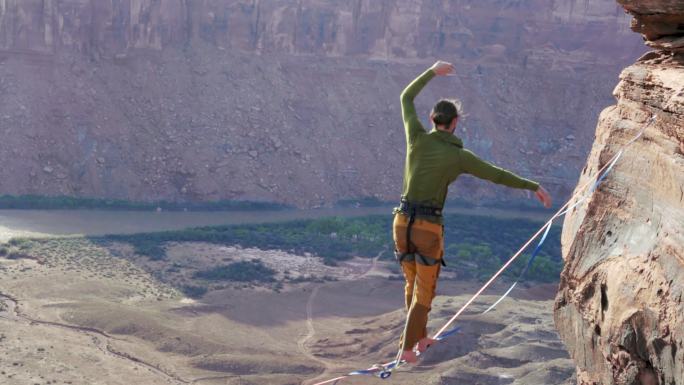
(384, 371)
(417, 257)
(413, 210)
(410, 208)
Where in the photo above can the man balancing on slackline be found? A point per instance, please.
(434, 159)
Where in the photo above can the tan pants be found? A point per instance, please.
(421, 280)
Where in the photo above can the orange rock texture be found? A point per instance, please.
(619, 308)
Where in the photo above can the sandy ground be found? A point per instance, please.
(77, 313)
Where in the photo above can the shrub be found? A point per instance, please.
(14, 254)
(149, 248)
(329, 262)
(193, 291)
(22, 243)
(243, 271)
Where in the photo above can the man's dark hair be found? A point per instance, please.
(445, 111)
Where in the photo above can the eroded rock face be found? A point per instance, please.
(619, 308)
(379, 28)
(294, 102)
(661, 22)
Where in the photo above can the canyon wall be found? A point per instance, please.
(292, 101)
(619, 308)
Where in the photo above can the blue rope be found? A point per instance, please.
(527, 267)
(448, 333)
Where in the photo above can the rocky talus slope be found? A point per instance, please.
(619, 308)
(291, 101)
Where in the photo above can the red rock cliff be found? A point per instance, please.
(619, 308)
(290, 101)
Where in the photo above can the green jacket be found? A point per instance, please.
(437, 158)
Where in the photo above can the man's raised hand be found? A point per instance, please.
(442, 68)
(543, 196)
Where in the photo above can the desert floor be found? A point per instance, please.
(76, 312)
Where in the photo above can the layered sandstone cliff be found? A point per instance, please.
(290, 101)
(619, 308)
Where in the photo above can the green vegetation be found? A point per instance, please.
(148, 248)
(243, 271)
(16, 255)
(334, 239)
(40, 202)
(21, 243)
(475, 247)
(16, 248)
(193, 291)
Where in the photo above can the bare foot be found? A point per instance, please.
(409, 356)
(424, 344)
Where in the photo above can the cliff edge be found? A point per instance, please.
(619, 306)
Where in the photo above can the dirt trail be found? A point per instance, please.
(100, 338)
(302, 343)
(13, 314)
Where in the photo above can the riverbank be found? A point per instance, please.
(42, 223)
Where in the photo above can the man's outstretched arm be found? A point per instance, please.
(412, 125)
(482, 169)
